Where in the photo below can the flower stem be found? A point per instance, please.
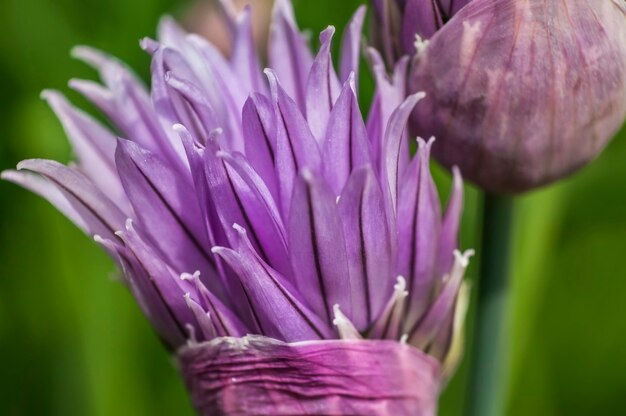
(489, 353)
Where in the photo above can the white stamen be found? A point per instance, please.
(344, 325)
(190, 277)
(404, 338)
(399, 289)
(420, 44)
(239, 228)
(337, 199)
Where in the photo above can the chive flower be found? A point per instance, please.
(290, 253)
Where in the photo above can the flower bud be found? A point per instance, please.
(522, 93)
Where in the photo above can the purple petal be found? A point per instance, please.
(147, 294)
(351, 46)
(167, 208)
(94, 146)
(317, 248)
(395, 145)
(97, 213)
(277, 305)
(289, 52)
(241, 201)
(166, 284)
(423, 332)
(261, 209)
(223, 320)
(244, 59)
(346, 146)
(419, 226)
(258, 375)
(296, 148)
(259, 130)
(368, 245)
(126, 103)
(449, 238)
(322, 87)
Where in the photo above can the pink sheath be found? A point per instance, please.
(256, 375)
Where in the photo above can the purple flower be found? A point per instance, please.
(291, 252)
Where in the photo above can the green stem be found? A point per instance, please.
(489, 360)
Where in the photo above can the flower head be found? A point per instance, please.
(240, 201)
(520, 93)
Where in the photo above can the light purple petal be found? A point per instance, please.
(126, 103)
(395, 145)
(275, 302)
(94, 146)
(166, 283)
(259, 130)
(317, 248)
(419, 226)
(351, 46)
(322, 87)
(289, 52)
(167, 209)
(244, 58)
(368, 245)
(98, 213)
(449, 238)
(346, 146)
(296, 148)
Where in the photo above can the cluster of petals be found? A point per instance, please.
(242, 201)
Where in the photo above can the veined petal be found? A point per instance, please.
(419, 227)
(147, 294)
(351, 46)
(322, 87)
(423, 332)
(243, 202)
(262, 210)
(166, 283)
(94, 146)
(223, 320)
(346, 146)
(317, 248)
(289, 52)
(259, 130)
(126, 103)
(277, 305)
(167, 208)
(395, 145)
(244, 58)
(448, 240)
(96, 211)
(296, 148)
(368, 245)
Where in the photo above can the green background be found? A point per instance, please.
(72, 341)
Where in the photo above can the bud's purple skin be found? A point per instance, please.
(260, 376)
(522, 93)
(242, 201)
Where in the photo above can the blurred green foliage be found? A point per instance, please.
(72, 341)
